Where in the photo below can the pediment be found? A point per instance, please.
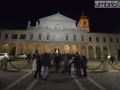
(57, 17)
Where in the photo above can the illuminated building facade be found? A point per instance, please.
(60, 34)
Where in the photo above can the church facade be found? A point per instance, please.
(60, 34)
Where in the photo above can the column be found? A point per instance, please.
(25, 49)
(87, 52)
(43, 48)
(8, 49)
(102, 52)
(61, 48)
(0, 47)
(94, 51)
(70, 48)
(79, 49)
(52, 47)
(16, 52)
(34, 48)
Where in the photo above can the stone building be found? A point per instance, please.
(60, 34)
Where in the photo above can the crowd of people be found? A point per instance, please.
(45, 61)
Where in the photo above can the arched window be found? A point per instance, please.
(40, 36)
(66, 37)
(74, 38)
(48, 37)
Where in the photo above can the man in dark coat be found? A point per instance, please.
(45, 63)
(33, 56)
(57, 61)
(39, 66)
(84, 65)
(29, 56)
(77, 62)
(112, 58)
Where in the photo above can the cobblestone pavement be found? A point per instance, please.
(58, 81)
(109, 80)
(9, 76)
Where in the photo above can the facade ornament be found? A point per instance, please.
(37, 24)
(29, 24)
(78, 26)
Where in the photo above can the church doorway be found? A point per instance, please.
(90, 52)
(13, 49)
(21, 49)
(57, 48)
(38, 49)
(30, 49)
(47, 48)
(74, 49)
(66, 49)
(98, 52)
(82, 50)
(4, 48)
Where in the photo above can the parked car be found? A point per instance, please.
(2, 55)
(11, 56)
(21, 56)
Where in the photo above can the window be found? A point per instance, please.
(111, 40)
(66, 37)
(22, 36)
(97, 39)
(82, 38)
(31, 37)
(74, 38)
(6, 36)
(39, 37)
(90, 39)
(48, 37)
(14, 36)
(117, 39)
(104, 39)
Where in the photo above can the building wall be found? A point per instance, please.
(58, 37)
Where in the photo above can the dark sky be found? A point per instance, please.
(15, 14)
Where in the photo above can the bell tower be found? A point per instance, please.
(82, 21)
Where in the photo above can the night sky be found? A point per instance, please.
(15, 14)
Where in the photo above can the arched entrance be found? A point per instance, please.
(66, 49)
(57, 48)
(38, 49)
(105, 52)
(21, 49)
(30, 49)
(13, 49)
(4, 48)
(82, 50)
(90, 52)
(47, 48)
(74, 49)
(98, 52)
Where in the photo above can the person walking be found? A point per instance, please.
(65, 59)
(39, 66)
(57, 61)
(33, 56)
(115, 57)
(29, 56)
(84, 66)
(45, 64)
(77, 62)
(112, 58)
